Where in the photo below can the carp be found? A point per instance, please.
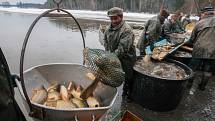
(39, 95)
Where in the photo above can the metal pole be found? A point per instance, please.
(163, 5)
(197, 6)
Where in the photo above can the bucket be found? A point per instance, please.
(159, 94)
(182, 56)
(63, 73)
(184, 60)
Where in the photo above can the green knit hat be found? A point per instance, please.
(115, 11)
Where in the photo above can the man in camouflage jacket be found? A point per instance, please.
(172, 25)
(119, 39)
(202, 38)
(152, 31)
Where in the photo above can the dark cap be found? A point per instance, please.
(207, 9)
(115, 11)
(164, 13)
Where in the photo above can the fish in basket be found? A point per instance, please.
(62, 74)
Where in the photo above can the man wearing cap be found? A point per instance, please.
(119, 39)
(152, 30)
(171, 26)
(202, 38)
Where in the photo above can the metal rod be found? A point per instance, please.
(56, 15)
(163, 5)
(197, 6)
(57, 1)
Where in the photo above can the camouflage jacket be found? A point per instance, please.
(202, 38)
(9, 110)
(120, 40)
(169, 28)
(151, 32)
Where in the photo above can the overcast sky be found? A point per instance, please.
(25, 1)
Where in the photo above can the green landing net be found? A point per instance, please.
(105, 65)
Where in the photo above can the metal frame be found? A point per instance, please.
(45, 14)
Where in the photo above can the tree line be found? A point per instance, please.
(150, 6)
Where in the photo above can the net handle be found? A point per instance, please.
(25, 44)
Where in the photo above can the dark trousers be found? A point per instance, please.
(203, 69)
(127, 66)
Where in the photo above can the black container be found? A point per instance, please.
(185, 60)
(159, 94)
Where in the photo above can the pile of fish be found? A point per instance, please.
(160, 69)
(160, 52)
(60, 97)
